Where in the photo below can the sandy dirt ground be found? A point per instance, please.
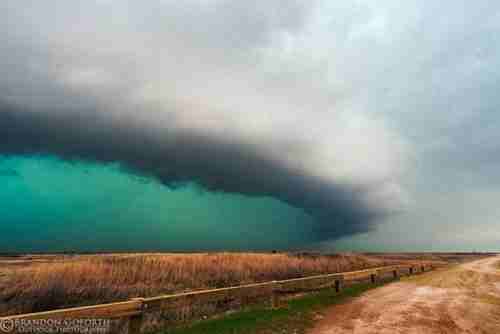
(463, 298)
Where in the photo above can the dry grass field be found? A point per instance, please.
(430, 256)
(37, 283)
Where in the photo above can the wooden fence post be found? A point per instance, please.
(274, 300)
(338, 285)
(135, 321)
(275, 297)
(396, 274)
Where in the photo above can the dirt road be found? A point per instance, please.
(460, 299)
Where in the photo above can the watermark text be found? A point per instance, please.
(49, 326)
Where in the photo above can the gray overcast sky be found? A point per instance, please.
(375, 110)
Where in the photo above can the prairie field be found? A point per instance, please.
(32, 283)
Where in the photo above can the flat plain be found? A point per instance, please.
(32, 283)
(464, 298)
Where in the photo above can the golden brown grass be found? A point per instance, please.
(90, 279)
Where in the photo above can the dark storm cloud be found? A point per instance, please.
(213, 92)
(218, 166)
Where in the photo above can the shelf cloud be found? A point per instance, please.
(212, 92)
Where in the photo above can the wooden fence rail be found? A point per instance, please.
(199, 304)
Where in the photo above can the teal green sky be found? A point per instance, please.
(52, 205)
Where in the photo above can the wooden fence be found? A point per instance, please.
(136, 315)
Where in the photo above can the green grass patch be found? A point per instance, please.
(295, 316)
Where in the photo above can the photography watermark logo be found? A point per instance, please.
(56, 326)
(7, 326)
